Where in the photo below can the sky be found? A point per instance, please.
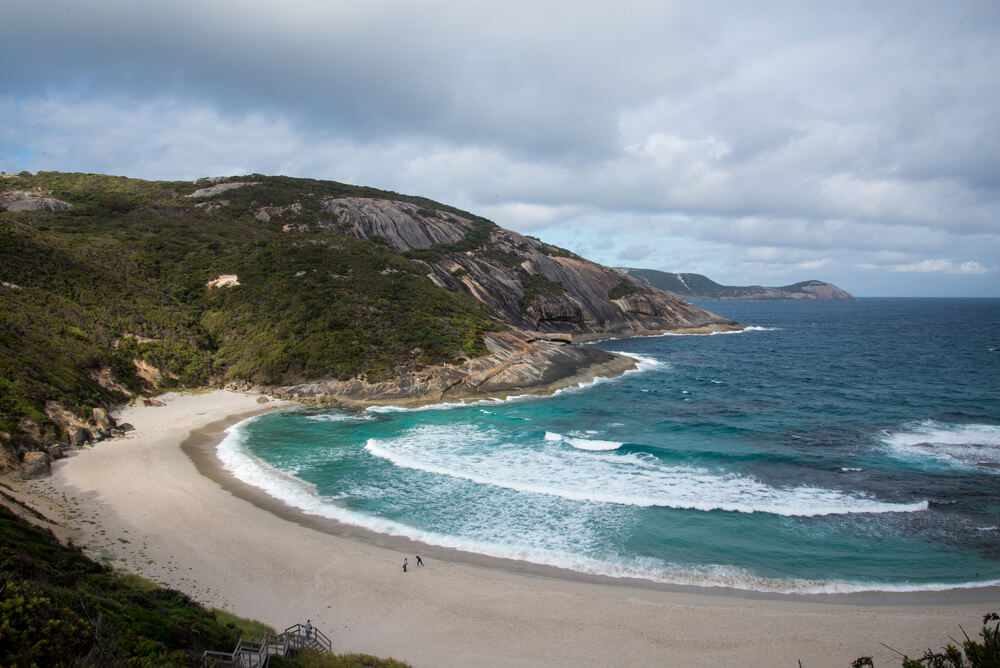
(754, 142)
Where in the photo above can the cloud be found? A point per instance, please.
(852, 139)
(939, 266)
(636, 253)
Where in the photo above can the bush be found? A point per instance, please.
(972, 654)
(624, 289)
(534, 285)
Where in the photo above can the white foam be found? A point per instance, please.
(960, 445)
(580, 443)
(601, 475)
(304, 496)
(254, 471)
(443, 406)
(332, 416)
(593, 444)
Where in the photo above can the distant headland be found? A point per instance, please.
(697, 286)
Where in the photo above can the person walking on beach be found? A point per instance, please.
(420, 562)
(309, 629)
(404, 564)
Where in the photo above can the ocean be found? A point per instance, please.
(832, 447)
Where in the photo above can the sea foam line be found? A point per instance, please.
(959, 445)
(748, 328)
(477, 454)
(304, 496)
(592, 444)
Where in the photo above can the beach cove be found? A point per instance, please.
(142, 503)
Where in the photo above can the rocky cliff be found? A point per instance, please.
(697, 286)
(517, 364)
(523, 281)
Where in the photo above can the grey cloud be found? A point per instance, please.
(829, 130)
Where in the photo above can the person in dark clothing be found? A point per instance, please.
(420, 562)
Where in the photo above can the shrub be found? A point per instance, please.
(624, 289)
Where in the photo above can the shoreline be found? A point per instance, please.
(154, 506)
(201, 446)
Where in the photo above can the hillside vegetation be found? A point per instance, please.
(111, 296)
(60, 608)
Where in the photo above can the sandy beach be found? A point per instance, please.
(170, 513)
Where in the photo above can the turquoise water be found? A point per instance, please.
(831, 447)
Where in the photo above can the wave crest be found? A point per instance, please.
(606, 476)
(960, 445)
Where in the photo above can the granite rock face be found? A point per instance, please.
(22, 200)
(518, 363)
(401, 224)
(524, 282)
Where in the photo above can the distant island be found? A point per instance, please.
(696, 286)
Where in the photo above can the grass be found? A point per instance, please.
(247, 628)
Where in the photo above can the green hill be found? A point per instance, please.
(117, 284)
(112, 287)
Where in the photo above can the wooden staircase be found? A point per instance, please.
(253, 654)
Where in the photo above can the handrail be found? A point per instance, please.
(319, 639)
(292, 639)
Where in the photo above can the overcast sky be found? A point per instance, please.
(754, 142)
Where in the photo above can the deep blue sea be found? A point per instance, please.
(831, 447)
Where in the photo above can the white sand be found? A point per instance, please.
(185, 530)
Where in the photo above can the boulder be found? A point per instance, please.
(55, 451)
(79, 437)
(125, 427)
(102, 420)
(21, 200)
(36, 465)
(262, 399)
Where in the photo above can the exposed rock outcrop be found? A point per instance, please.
(403, 225)
(519, 363)
(103, 421)
(224, 281)
(266, 213)
(23, 200)
(36, 465)
(523, 281)
(212, 191)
